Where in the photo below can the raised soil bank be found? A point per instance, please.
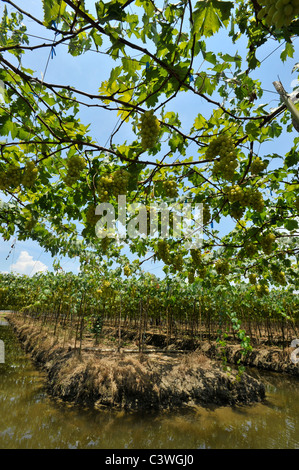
(264, 357)
(156, 381)
(271, 358)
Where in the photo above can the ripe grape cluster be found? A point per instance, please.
(104, 185)
(115, 184)
(278, 276)
(223, 146)
(75, 164)
(222, 267)
(197, 261)
(206, 214)
(91, 217)
(250, 249)
(236, 211)
(170, 188)
(150, 128)
(106, 289)
(249, 197)
(252, 278)
(191, 276)
(262, 289)
(177, 262)
(235, 194)
(257, 166)
(267, 243)
(163, 251)
(30, 174)
(120, 182)
(11, 178)
(278, 13)
(201, 271)
(127, 270)
(196, 256)
(255, 200)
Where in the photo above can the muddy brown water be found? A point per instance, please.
(31, 419)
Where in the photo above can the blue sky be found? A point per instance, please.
(87, 72)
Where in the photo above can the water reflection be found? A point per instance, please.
(29, 418)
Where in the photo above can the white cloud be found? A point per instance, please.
(26, 265)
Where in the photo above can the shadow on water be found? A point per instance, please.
(30, 419)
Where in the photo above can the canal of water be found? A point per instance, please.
(31, 419)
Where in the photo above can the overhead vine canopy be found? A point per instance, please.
(54, 170)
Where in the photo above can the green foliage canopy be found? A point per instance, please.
(157, 50)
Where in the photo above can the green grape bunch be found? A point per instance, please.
(163, 251)
(196, 256)
(252, 278)
(222, 267)
(149, 129)
(206, 214)
(120, 180)
(115, 184)
(267, 243)
(236, 211)
(104, 185)
(255, 199)
(170, 188)
(262, 289)
(191, 277)
(30, 174)
(11, 178)
(250, 249)
(91, 217)
(223, 146)
(106, 290)
(235, 194)
(197, 261)
(202, 271)
(75, 164)
(257, 166)
(127, 270)
(177, 262)
(278, 13)
(249, 197)
(278, 276)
